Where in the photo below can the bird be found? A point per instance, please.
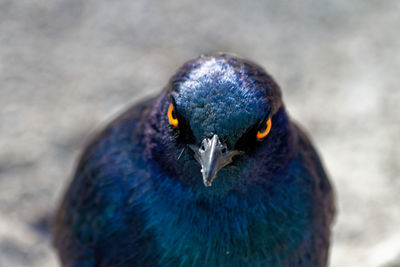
(212, 171)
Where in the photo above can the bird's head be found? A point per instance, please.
(215, 109)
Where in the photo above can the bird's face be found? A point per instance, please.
(218, 107)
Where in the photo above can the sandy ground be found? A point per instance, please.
(67, 66)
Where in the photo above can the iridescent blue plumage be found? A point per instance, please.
(138, 197)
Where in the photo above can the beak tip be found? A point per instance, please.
(207, 180)
(207, 184)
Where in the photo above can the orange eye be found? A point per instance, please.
(261, 134)
(172, 116)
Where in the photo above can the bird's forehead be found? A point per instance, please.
(216, 99)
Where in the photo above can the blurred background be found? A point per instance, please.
(69, 66)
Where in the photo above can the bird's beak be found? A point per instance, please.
(212, 156)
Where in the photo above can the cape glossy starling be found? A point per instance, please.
(211, 172)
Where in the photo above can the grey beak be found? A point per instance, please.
(212, 156)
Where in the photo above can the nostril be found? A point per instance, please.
(202, 147)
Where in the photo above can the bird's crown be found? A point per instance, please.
(224, 95)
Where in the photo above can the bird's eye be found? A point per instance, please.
(264, 131)
(173, 120)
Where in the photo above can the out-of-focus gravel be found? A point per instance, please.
(66, 66)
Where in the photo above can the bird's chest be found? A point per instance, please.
(229, 232)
